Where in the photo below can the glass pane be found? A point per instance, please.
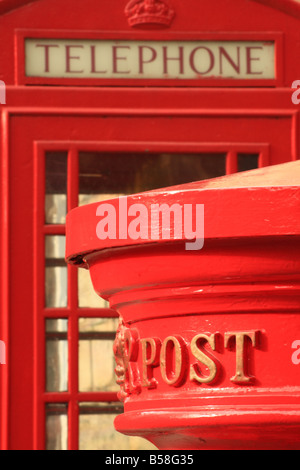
(87, 297)
(55, 246)
(56, 187)
(57, 326)
(107, 175)
(56, 287)
(96, 357)
(97, 432)
(55, 208)
(96, 366)
(56, 427)
(87, 325)
(57, 355)
(56, 276)
(247, 161)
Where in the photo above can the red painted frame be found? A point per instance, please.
(5, 274)
(72, 312)
(21, 79)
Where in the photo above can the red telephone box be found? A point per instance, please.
(111, 98)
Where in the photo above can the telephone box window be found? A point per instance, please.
(87, 297)
(56, 426)
(56, 355)
(56, 287)
(56, 187)
(96, 429)
(56, 275)
(79, 326)
(96, 359)
(98, 325)
(105, 176)
(247, 161)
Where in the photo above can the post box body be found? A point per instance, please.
(208, 342)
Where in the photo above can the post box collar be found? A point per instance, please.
(259, 203)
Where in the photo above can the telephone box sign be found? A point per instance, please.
(152, 60)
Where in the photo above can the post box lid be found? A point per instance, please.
(257, 203)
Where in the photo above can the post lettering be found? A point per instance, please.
(138, 358)
(240, 346)
(195, 372)
(173, 357)
(150, 357)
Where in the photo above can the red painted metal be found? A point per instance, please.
(245, 279)
(149, 13)
(8, 5)
(291, 7)
(91, 115)
(73, 397)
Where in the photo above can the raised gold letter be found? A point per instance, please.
(204, 359)
(150, 358)
(240, 377)
(173, 360)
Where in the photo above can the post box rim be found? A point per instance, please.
(263, 209)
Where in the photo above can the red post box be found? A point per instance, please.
(207, 349)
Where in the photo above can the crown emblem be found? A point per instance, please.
(149, 12)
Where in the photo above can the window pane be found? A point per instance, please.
(55, 246)
(57, 326)
(247, 161)
(56, 276)
(56, 188)
(56, 427)
(97, 432)
(57, 355)
(87, 297)
(96, 366)
(56, 287)
(96, 357)
(87, 325)
(107, 175)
